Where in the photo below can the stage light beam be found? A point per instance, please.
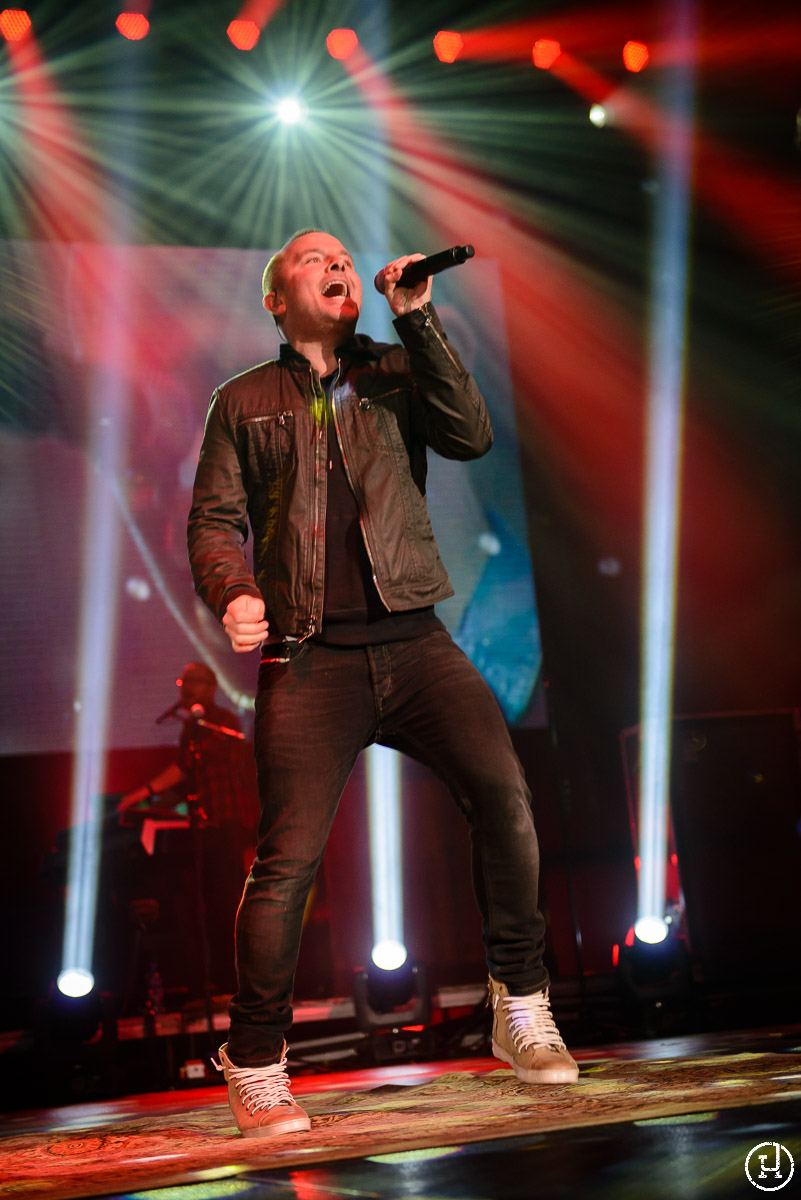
(96, 640)
(383, 807)
(667, 350)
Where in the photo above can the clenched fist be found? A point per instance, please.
(245, 624)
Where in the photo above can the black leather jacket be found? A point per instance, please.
(264, 459)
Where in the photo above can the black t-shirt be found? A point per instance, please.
(353, 612)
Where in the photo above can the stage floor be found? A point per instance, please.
(674, 1117)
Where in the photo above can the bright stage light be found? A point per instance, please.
(448, 45)
(133, 25)
(75, 981)
(290, 110)
(635, 56)
(243, 34)
(545, 53)
(599, 115)
(389, 955)
(651, 930)
(14, 24)
(341, 43)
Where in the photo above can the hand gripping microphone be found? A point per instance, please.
(424, 267)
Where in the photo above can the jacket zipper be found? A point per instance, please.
(346, 465)
(315, 539)
(430, 325)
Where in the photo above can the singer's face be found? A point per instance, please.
(317, 288)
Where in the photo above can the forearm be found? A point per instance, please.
(455, 418)
(170, 777)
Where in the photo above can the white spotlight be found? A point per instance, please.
(598, 115)
(651, 930)
(290, 110)
(75, 981)
(389, 955)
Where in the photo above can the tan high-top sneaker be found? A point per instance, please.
(260, 1098)
(525, 1036)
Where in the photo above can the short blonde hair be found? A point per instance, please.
(271, 271)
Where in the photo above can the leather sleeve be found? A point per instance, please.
(454, 417)
(217, 527)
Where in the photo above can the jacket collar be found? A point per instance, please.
(358, 348)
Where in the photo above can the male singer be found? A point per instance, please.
(323, 453)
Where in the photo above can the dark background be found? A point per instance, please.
(183, 160)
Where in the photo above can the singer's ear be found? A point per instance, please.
(274, 304)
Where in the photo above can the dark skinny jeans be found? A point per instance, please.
(314, 714)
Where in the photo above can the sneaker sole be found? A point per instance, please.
(295, 1125)
(564, 1074)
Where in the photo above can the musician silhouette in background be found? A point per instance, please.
(209, 784)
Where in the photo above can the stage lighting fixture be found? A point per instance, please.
(14, 24)
(599, 115)
(133, 25)
(290, 111)
(341, 43)
(391, 999)
(635, 56)
(448, 45)
(243, 34)
(71, 1020)
(545, 53)
(655, 971)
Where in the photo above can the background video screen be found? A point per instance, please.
(109, 357)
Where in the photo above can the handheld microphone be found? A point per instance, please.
(424, 267)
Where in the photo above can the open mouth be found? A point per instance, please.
(335, 287)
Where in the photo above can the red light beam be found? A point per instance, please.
(59, 176)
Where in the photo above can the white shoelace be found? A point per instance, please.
(531, 1022)
(261, 1087)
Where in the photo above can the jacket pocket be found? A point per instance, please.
(266, 447)
(384, 421)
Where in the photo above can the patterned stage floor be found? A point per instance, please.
(676, 1117)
